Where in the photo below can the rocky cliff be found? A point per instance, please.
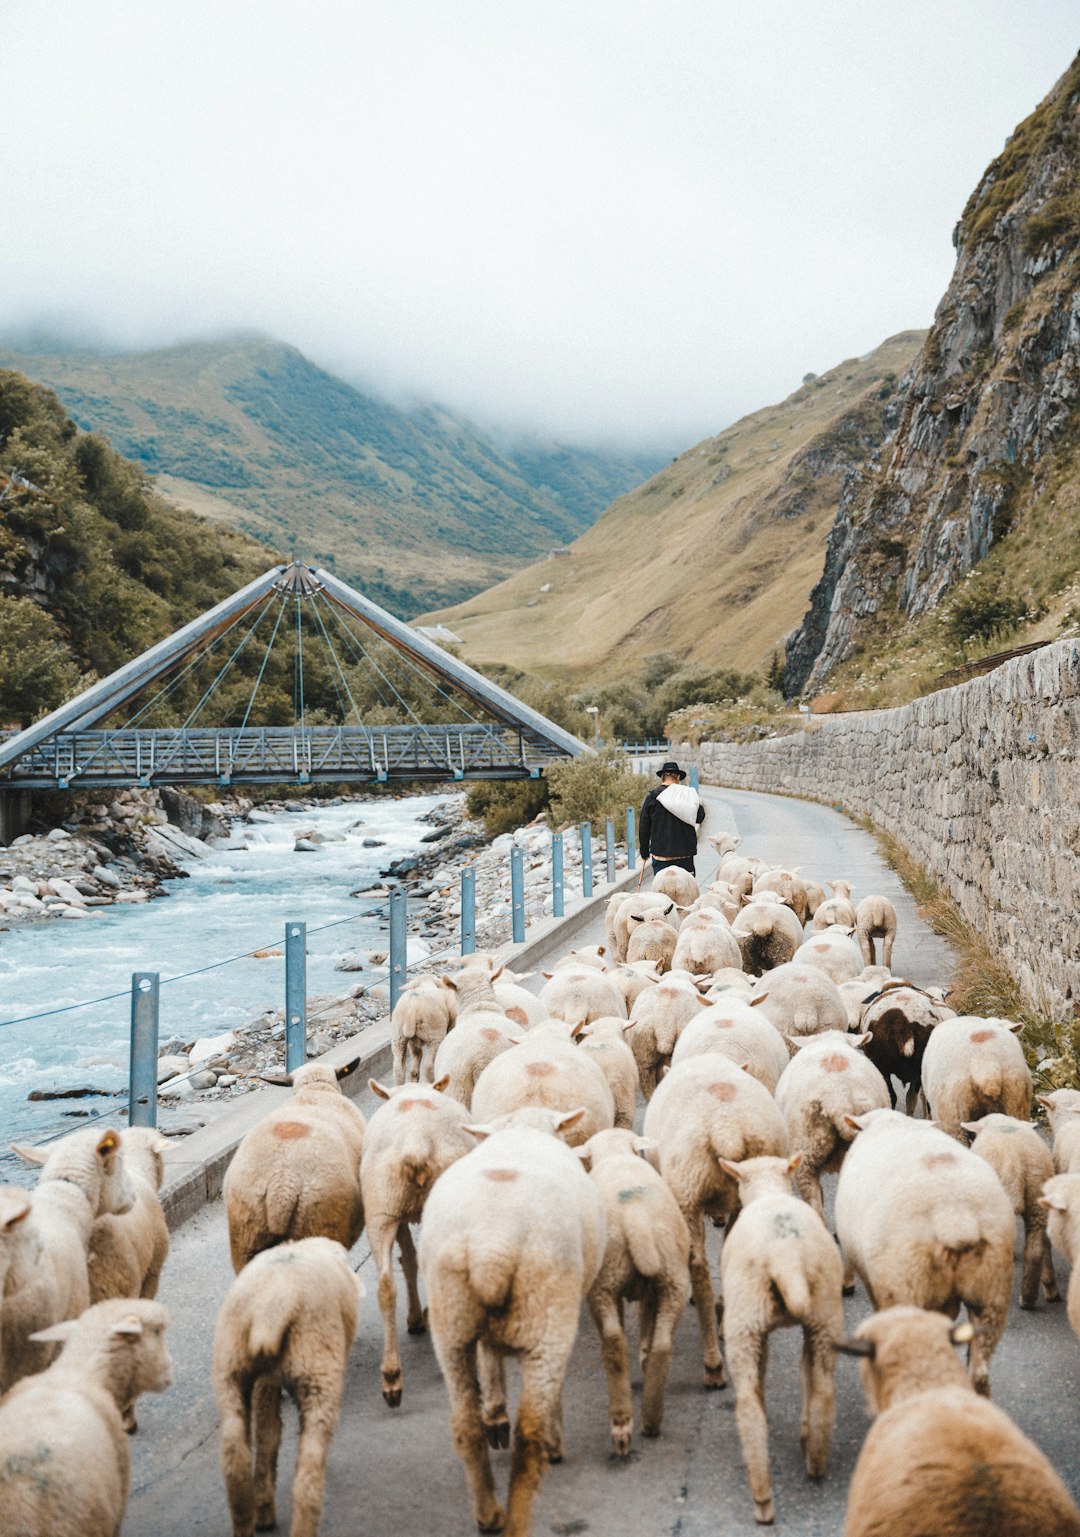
(986, 416)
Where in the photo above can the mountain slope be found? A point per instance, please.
(417, 507)
(980, 474)
(712, 558)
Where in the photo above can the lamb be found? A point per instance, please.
(82, 1178)
(729, 979)
(633, 980)
(826, 1084)
(925, 1462)
(1062, 1108)
(1022, 1162)
(705, 944)
(65, 1460)
(801, 1000)
(512, 1240)
(1061, 1200)
(652, 939)
(875, 918)
(646, 1260)
(858, 993)
(972, 1067)
(706, 1110)
(127, 1252)
(656, 1021)
(408, 1143)
(550, 1074)
(835, 910)
(678, 884)
(724, 843)
(592, 955)
(719, 897)
(425, 1011)
(296, 1174)
(815, 895)
(581, 994)
(938, 1232)
(788, 887)
(604, 1040)
(834, 951)
(618, 920)
(780, 1269)
(735, 1028)
(768, 934)
(288, 1322)
(899, 1021)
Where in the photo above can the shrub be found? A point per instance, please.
(505, 804)
(982, 615)
(592, 788)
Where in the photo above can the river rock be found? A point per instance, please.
(132, 896)
(352, 961)
(203, 1079)
(212, 1046)
(226, 1080)
(58, 835)
(106, 877)
(177, 1088)
(24, 883)
(73, 912)
(169, 1066)
(66, 890)
(305, 846)
(377, 957)
(373, 843)
(321, 1041)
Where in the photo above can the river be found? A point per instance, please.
(235, 900)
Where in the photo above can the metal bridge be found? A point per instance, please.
(74, 748)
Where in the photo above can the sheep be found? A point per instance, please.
(858, 993)
(475, 1040)
(974, 1066)
(605, 1042)
(768, 934)
(834, 951)
(1062, 1108)
(652, 939)
(592, 955)
(65, 1460)
(924, 1221)
(719, 897)
(738, 872)
(519, 1005)
(735, 1028)
(815, 895)
(937, 1458)
(724, 843)
(834, 910)
(705, 945)
(127, 1253)
(288, 1323)
(425, 1011)
(633, 980)
(788, 887)
(83, 1177)
(779, 1269)
(800, 1000)
(1061, 1199)
(296, 1174)
(656, 1021)
(408, 1142)
(580, 994)
(18, 1239)
(618, 922)
(550, 1074)
(676, 883)
(646, 1260)
(705, 1110)
(899, 1020)
(875, 918)
(1022, 1162)
(512, 1240)
(729, 979)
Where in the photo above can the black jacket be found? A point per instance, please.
(661, 834)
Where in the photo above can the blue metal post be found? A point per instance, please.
(517, 894)
(398, 956)
(142, 1077)
(695, 778)
(586, 860)
(609, 850)
(631, 839)
(295, 996)
(557, 888)
(468, 911)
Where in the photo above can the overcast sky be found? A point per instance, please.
(621, 219)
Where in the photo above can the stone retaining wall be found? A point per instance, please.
(981, 783)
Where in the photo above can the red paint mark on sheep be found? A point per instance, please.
(501, 1176)
(291, 1131)
(539, 1069)
(723, 1091)
(518, 1015)
(979, 1036)
(490, 1034)
(415, 1104)
(835, 1063)
(937, 1160)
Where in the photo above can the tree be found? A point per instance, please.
(36, 673)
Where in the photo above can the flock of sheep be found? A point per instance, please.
(765, 1053)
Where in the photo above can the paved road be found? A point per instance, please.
(395, 1472)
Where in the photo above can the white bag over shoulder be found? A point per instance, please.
(682, 802)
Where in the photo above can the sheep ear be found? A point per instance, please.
(34, 1155)
(583, 1153)
(1046, 1100)
(376, 1088)
(853, 1121)
(1055, 1201)
(861, 1041)
(449, 981)
(517, 1014)
(108, 1143)
(1015, 1026)
(963, 1333)
(515, 1040)
(280, 1080)
(703, 1003)
(130, 1327)
(440, 1085)
(761, 997)
(630, 1023)
(346, 1068)
(856, 1347)
(645, 1144)
(734, 1170)
(479, 1132)
(13, 1210)
(571, 1118)
(497, 973)
(793, 1162)
(547, 974)
(579, 1030)
(56, 1333)
(971, 1126)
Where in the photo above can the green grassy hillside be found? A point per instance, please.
(417, 507)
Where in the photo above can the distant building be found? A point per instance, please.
(438, 633)
(559, 552)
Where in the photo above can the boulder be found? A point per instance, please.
(212, 1046)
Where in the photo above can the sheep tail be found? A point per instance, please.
(266, 1335)
(491, 1276)
(794, 1292)
(641, 1241)
(956, 1228)
(282, 1199)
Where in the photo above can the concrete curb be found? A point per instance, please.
(195, 1167)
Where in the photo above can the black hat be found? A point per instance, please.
(670, 768)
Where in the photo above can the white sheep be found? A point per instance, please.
(646, 1260)
(425, 1011)
(834, 951)
(580, 994)
(705, 944)
(875, 918)
(287, 1324)
(738, 1030)
(780, 1269)
(704, 1111)
(65, 1459)
(620, 910)
(1022, 1162)
(591, 955)
(512, 1240)
(800, 1000)
(408, 1143)
(519, 1005)
(604, 1040)
(768, 934)
(296, 1174)
(1062, 1108)
(652, 939)
(656, 1021)
(787, 886)
(834, 910)
(923, 1221)
(548, 1074)
(815, 895)
(937, 1458)
(1061, 1199)
(729, 979)
(82, 1178)
(858, 993)
(678, 884)
(972, 1067)
(633, 980)
(127, 1252)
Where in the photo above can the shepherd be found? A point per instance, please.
(670, 816)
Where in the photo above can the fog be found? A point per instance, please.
(611, 220)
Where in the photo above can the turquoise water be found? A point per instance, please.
(234, 900)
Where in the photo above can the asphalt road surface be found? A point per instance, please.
(394, 1473)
